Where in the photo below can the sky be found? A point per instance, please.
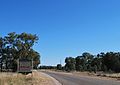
(64, 27)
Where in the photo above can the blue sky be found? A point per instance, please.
(65, 27)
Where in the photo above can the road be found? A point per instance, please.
(70, 79)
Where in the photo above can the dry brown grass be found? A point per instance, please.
(99, 75)
(114, 75)
(36, 78)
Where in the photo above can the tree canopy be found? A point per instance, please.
(15, 46)
(109, 61)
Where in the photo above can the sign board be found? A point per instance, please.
(24, 65)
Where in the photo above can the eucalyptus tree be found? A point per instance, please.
(19, 46)
(1, 52)
(59, 67)
(87, 57)
(79, 63)
(112, 61)
(70, 64)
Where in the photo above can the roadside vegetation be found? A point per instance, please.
(16, 46)
(103, 64)
(34, 78)
(106, 62)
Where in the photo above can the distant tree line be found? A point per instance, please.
(15, 46)
(107, 62)
(58, 67)
(47, 67)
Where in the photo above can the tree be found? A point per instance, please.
(18, 46)
(35, 56)
(95, 69)
(97, 62)
(106, 62)
(59, 67)
(79, 63)
(70, 64)
(87, 57)
(1, 52)
(110, 61)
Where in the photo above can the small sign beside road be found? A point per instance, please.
(24, 66)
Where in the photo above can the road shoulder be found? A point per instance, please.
(49, 80)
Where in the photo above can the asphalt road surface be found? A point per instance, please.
(70, 79)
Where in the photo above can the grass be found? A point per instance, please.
(100, 74)
(19, 79)
(15, 79)
(109, 75)
(114, 75)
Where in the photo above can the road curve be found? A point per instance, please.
(70, 79)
